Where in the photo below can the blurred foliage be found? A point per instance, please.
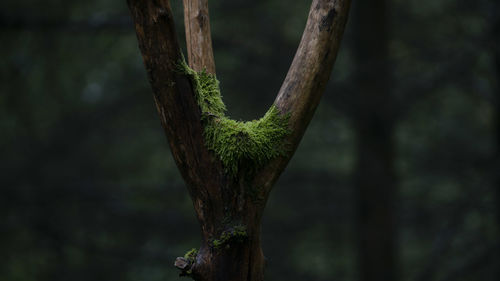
(89, 191)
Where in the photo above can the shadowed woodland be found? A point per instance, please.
(397, 176)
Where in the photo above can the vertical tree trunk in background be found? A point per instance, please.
(375, 178)
(497, 120)
(495, 45)
(496, 53)
(229, 207)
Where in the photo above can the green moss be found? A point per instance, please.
(237, 143)
(235, 234)
(191, 255)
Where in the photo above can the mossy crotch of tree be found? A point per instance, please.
(230, 166)
(243, 148)
(238, 144)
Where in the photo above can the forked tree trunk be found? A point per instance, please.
(229, 207)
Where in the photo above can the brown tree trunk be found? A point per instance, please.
(229, 207)
(374, 124)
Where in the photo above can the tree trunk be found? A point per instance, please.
(229, 199)
(375, 183)
(497, 122)
(496, 54)
(375, 178)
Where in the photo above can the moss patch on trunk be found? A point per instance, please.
(236, 234)
(247, 145)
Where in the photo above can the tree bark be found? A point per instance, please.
(308, 75)
(374, 119)
(228, 208)
(198, 39)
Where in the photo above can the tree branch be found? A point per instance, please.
(198, 36)
(308, 75)
(173, 93)
(310, 70)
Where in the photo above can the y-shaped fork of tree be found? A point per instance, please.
(230, 167)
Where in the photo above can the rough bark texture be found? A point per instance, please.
(308, 75)
(229, 208)
(375, 178)
(198, 39)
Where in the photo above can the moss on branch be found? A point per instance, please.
(238, 144)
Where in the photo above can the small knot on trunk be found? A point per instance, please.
(185, 264)
(181, 263)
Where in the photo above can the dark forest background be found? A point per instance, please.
(397, 177)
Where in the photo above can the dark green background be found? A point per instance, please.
(89, 190)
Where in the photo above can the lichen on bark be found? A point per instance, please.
(238, 144)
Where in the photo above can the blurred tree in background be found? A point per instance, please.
(89, 191)
(372, 111)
